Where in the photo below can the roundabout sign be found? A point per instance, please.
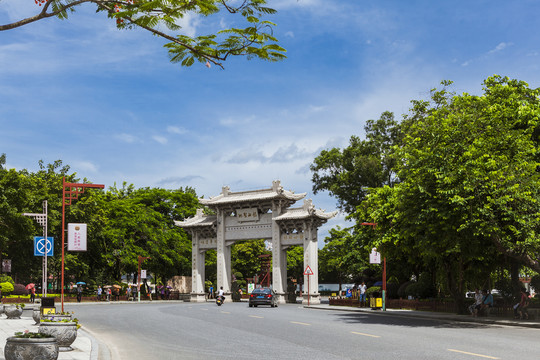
(40, 245)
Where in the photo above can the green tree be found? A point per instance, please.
(252, 39)
(469, 184)
(333, 264)
(245, 257)
(348, 173)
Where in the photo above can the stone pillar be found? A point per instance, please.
(311, 259)
(223, 257)
(197, 271)
(279, 266)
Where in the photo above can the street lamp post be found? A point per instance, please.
(70, 192)
(384, 270)
(42, 220)
(140, 260)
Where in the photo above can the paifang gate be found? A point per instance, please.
(259, 214)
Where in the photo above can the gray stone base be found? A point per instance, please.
(198, 297)
(314, 299)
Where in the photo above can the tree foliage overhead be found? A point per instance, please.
(254, 38)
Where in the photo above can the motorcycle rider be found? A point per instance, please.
(220, 294)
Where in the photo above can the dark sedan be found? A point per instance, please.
(263, 296)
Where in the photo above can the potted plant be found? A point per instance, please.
(31, 345)
(65, 331)
(14, 311)
(58, 316)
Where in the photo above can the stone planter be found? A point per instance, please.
(36, 315)
(64, 332)
(12, 312)
(30, 349)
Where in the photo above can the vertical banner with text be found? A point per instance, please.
(76, 237)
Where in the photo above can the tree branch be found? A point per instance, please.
(524, 259)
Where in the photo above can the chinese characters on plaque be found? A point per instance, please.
(247, 214)
(76, 237)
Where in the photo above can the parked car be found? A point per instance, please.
(263, 296)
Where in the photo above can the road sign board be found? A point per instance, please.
(308, 271)
(39, 246)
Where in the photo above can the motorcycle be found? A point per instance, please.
(219, 300)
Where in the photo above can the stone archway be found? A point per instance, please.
(259, 214)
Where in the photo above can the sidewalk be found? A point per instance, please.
(432, 315)
(84, 347)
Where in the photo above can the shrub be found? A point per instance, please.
(421, 289)
(374, 291)
(19, 289)
(392, 290)
(6, 278)
(7, 288)
(402, 289)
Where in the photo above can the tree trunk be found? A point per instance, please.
(455, 285)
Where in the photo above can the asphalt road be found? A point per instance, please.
(162, 330)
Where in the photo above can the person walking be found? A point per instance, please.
(33, 294)
(524, 305)
(362, 294)
(79, 293)
(99, 292)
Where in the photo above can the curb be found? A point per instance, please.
(429, 316)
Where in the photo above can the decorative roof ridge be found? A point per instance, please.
(276, 189)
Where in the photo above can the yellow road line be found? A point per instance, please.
(300, 323)
(357, 333)
(225, 312)
(255, 316)
(473, 354)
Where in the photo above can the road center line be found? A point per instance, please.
(473, 354)
(204, 309)
(225, 312)
(300, 323)
(357, 333)
(255, 316)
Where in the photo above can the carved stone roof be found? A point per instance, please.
(276, 192)
(199, 220)
(305, 212)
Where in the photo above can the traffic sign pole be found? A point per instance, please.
(42, 220)
(308, 272)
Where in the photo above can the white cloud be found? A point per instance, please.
(236, 121)
(127, 138)
(289, 34)
(176, 130)
(160, 139)
(501, 46)
(189, 23)
(85, 166)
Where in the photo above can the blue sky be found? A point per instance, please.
(110, 104)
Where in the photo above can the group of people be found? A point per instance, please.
(358, 292)
(483, 301)
(107, 293)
